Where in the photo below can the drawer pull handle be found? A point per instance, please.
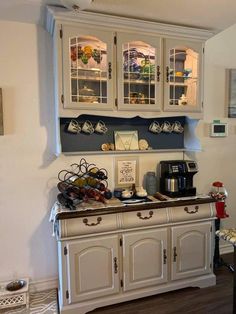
(109, 70)
(92, 224)
(167, 74)
(194, 211)
(164, 256)
(158, 73)
(175, 254)
(145, 217)
(115, 265)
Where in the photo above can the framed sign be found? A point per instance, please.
(126, 140)
(126, 171)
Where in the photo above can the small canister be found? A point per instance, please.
(151, 183)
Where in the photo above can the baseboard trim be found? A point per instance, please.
(226, 248)
(41, 285)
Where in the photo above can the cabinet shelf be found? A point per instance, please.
(89, 79)
(81, 143)
(129, 152)
(139, 82)
(183, 77)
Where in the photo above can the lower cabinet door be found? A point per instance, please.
(92, 268)
(144, 258)
(191, 250)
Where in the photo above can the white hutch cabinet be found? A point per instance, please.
(117, 67)
(119, 254)
(106, 63)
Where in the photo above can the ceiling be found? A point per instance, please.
(214, 15)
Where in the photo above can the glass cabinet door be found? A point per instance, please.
(139, 75)
(182, 76)
(87, 69)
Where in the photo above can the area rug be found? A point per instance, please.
(44, 302)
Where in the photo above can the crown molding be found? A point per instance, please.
(59, 15)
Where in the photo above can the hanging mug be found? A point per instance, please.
(73, 127)
(167, 127)
(87, 127)
(177, 127)
(155, 127)
(100, 127)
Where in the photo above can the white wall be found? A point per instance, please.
(217, 162)
(28, 168)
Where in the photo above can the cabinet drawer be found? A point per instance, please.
(86, 225)
(190, 212)
(145, 217)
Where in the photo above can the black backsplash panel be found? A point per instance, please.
(82, 142)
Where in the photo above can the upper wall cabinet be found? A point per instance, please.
(139, 78)
(183, 76)
(88, 68)
(106, 63)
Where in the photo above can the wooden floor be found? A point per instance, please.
(217, 299)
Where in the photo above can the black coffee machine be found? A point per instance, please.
(176, 177)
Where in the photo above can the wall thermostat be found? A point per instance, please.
(219, 129)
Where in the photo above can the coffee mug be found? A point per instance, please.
(87, 127)
(100, 127)
(73, 126)
(167, 127)
(177, 127)
(155, 127)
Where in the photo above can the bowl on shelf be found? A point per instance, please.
(87, 95)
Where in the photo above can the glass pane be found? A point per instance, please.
(183, 76)
(88, 70)
(139, 63)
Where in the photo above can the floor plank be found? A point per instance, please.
(217, 299)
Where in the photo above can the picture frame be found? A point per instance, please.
(126, 171)
(126, 140)
(1, 114)
(231, 92)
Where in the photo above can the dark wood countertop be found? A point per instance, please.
(128, 208)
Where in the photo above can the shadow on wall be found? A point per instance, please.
(46, 93)
(43, 250)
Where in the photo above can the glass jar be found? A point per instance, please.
(151, 183)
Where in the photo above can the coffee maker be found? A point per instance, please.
(176, 177)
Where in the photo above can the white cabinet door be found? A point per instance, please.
(191, 250)
(144, 258)
(92, 268)
(87, 68)
(183, 75)
(139, 78)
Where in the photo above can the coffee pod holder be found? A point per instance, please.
(14, 293)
